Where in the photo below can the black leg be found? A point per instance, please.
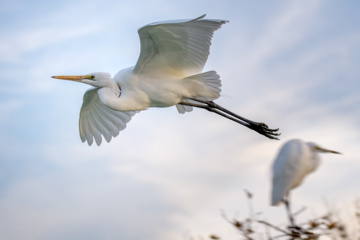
(288, 210)
(261, 128)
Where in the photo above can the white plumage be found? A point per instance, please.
(295, 160)
(167, 73)
(97, 119)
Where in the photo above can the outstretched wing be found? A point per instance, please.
(176, 47)
(98, 120)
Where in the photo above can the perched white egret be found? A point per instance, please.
(295, 160)
(167, 73)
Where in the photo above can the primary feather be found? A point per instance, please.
(178, 47)
(98, 120)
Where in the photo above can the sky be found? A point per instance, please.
(290, 64)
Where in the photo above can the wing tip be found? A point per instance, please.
(201, 17)
(90, 141)
(217, 20)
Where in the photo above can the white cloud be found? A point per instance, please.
(286, 29)
(7, 108)
(13, 46)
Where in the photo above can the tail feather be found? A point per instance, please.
(205, 85)
(183, 108)
(280, 187)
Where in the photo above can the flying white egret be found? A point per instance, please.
(295, 160)
(167, 73)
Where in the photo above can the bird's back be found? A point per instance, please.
(289, 169)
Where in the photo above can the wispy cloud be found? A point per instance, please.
(13, 46)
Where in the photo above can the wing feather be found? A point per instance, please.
(111, 129)
(97, 120)
(85, 130)
(99, 127)
(93, 130)
(178, 46)
(111, 119)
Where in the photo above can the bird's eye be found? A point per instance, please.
(92, 76)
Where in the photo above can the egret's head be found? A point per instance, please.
(317, 148)
(98, 79)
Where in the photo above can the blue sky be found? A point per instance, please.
(291, 64)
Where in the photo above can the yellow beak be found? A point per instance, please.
(328, 150)
(71, 78)
(332, 151)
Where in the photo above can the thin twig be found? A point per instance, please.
(299, 211)
(274, 227)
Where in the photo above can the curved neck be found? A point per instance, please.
(109, 95)
(115, 87)
(117, 100)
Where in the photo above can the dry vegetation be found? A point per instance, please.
(329, 226)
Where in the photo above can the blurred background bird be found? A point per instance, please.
(295, 160)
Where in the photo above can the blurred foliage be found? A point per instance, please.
(329, 226)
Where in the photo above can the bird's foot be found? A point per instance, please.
(259, 127)
(264, 130)
(261, 124)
